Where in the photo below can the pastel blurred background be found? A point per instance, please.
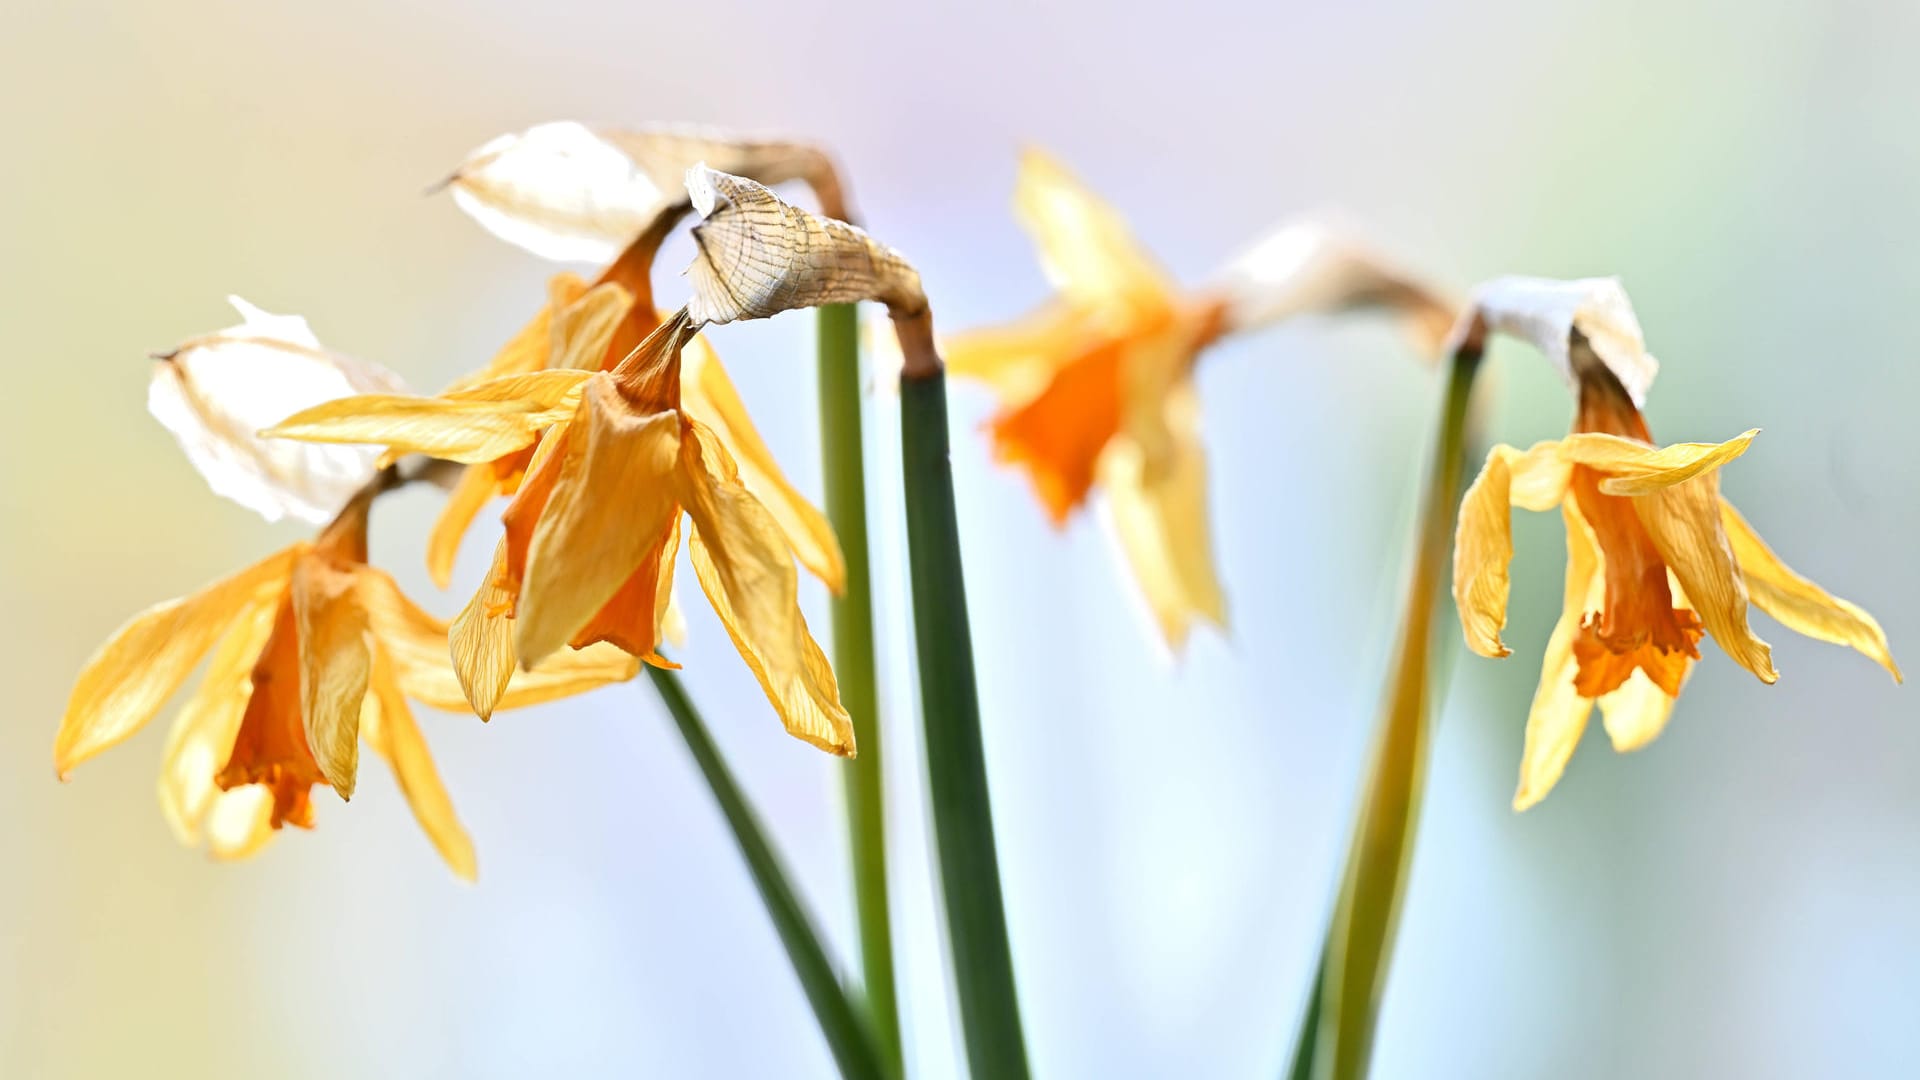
(1743, 898)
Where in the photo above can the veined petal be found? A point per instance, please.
(476, 424)
(1019, 359)
(202, 735)
(388, 726)
(560, 191)
(417, 645)
(1799, 604)
(1684, 523)
(530, 349)
(583, 329)
(481, 640)
(134, 673)
(747, 572)
(613, 501)
(1559, 713)
(1634, 468)
(1087, 249)
(1162, 523)
(334, 666)
(477, 487)
(708, 395)
(1534, 479)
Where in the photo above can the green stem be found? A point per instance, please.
(848, 1034)
(1336, 1040)
(956, 761)
(843, 465)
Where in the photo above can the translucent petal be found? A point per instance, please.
(334, 666)
(1559, 714)
(1085, 246)
(1799, 604)
(1535, 479)
(240, 822)
(1019, 359)
(1636, 713)
(134, 673)
(747, 572)
(558, 190)
(202, 735)
(476, 424)
(1684, 523)
(389, 728)
(708, 395)
(1634, 468)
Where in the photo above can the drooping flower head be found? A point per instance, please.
(1097, 385)
(1656, 558)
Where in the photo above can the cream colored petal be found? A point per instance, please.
(560, 191)
(216, 392)
(389, 727)
(202, 735)
(481, 640)
(417, 645)
(613, 501)
(1162, 523)
(1799, 604)
(1549, 314)
(478, 423)
(1559, 714)
(334, 666)
(708, 395)
(583, 329)
(1085, 246)
(759, 256)
(747, 572)
(1019, 359)
(134, 673)
(1634, 468)
(1684, 522)
(240, 822)
(1314, 268)
(1636, 713)
(477, 487)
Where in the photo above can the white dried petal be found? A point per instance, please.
(758, 256)
(1547, 312)
(1312, 268)
(571, 193)
(215, 393)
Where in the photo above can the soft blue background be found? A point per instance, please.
(1741, 899)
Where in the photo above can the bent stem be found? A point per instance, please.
(844, 468)
(1336, 1036)
(956, 762)
(848, 1035)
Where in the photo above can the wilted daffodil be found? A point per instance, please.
(312, 652)
(214, 392)
(1097, 385)
(592, 530)
(1655, 556)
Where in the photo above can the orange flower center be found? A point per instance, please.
(271, 747)
(1637, 625)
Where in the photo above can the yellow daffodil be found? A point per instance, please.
(594, 524)
(1097, 386)
(312, 652)
(1655, 556)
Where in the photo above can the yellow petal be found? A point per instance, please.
(1019, 359)
(1799, 604)
(478, 423)
(334, 666)
(1162, 521)
(1085, 246)
(1535, 479)
(747, 573)
(240, 822)
(1634, 468)
(613, 501)
(477, 487)
(481, 640)
(582, 329)
(1636, 713)
(202, 735)
(389, 728)
(1684, 523)
(416, 644)
(708, 395)
(127, 679)
(529, 349)
(1559, 714)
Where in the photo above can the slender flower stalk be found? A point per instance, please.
(758, 257)
(844, 468)
(849, 1033)
(1336, 1037)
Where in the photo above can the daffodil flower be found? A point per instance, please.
(1656, 558)
(1097, 386)
(216, 391)
(313, 651)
